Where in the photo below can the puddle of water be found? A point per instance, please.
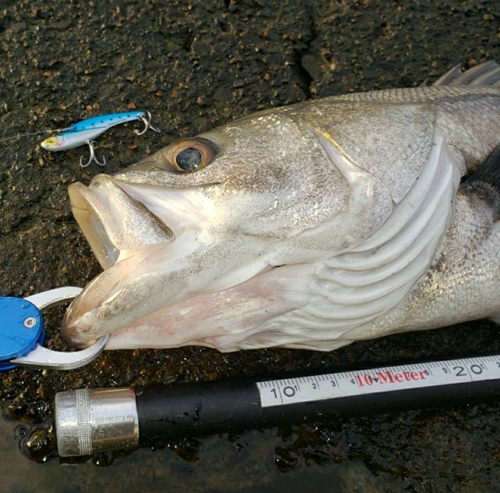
(245, 465)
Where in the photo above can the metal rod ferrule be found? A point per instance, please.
(90, 421)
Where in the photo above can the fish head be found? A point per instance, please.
(186, 231)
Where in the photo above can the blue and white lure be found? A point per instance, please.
(86, 131)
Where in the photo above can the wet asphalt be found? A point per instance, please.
(195, 65)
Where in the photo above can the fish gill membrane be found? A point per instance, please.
(308, 226)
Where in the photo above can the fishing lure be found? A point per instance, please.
(84, 132)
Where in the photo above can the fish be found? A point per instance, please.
(309, 226)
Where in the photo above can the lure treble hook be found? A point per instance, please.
(91, 144)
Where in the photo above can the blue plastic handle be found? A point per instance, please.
(21, 329)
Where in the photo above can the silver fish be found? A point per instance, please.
(308, 226)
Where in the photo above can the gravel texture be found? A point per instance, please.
(194, 66)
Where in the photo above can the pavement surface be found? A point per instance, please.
(195, 65)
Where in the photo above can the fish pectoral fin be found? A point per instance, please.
(485, 182)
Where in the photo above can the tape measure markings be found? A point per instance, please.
(376, 380)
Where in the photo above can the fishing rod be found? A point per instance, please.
(89, 421)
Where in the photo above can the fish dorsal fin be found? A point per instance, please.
(484, 74)
(377, 274)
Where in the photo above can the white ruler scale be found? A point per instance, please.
(377, 380)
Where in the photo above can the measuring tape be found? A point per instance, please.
(377, 380)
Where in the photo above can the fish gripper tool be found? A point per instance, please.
(22, 333)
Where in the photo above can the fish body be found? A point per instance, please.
(308, 226)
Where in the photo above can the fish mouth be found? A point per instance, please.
(113, 222)
(133, 229)
(120, 219)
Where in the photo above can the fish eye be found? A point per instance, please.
(191, 154)
(189, 159)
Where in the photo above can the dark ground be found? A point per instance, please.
(196, 65)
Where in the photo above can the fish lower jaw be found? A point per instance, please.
(224, 319)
